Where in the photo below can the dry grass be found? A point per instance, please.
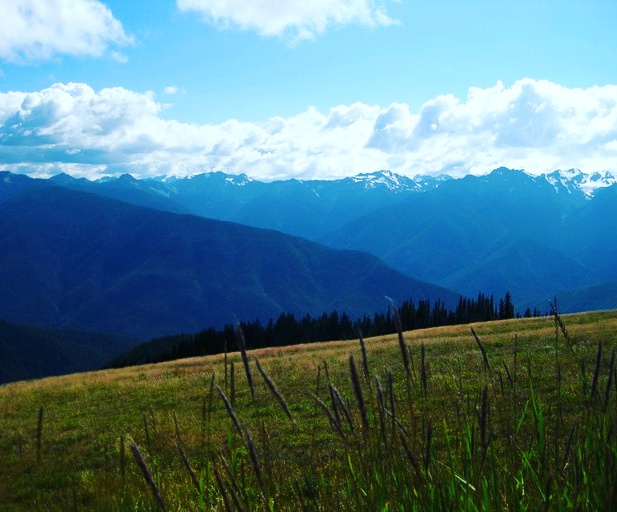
(87, 417)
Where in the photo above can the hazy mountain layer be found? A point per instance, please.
(507, 230)
(81, 261)
(30, 352)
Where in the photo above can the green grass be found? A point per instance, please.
(532, 430)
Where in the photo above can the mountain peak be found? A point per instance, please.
(239, 180)
(502, 171)
(62, 179)
(385, 179)
(217, 176)
(126, 178)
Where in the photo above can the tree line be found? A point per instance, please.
(289, 330)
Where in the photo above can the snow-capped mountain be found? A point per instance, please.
(397, 183)
(574, 180)
(386, 179)
(239, 180)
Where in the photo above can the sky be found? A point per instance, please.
(309, 90)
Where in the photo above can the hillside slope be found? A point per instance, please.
(31, 353)
(81, 261)
(310, 421)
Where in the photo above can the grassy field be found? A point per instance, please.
(521, 416)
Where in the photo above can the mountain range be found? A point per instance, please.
(535, 235)
(504, 230)
(140, 258)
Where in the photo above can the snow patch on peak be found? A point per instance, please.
(424, 182)
(239, 180)
(574, 180)
(592, 182)
(571, 174)
(386, 179)
(234, 179)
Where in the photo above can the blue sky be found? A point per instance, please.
(319, 89)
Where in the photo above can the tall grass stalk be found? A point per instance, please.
(392, 401)
(334, 421)
(596, 372)
(256, 466)
(226, 382)
(318, 382)
(404, 350)
(401, 342)
(235, 490)
(559, 323)
(357, 388)
(230, 410)
(567, 449)
(147, 475)
(245, 359)
(39, 434)
(327, 371)
(223, 490)
(272, 386)
(508, 375)
(609, 380)
(184, 458)
(483, 422)
(187, 465)
(335, 406)
(381, 409)
(415, 464)
(428, 444)
(340, 403)
(206, 412)
(423, 370)
(232, 384)
(487, 366)
(365, 367)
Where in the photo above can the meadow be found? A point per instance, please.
(506, 415)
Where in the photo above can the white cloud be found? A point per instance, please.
(40, 29)
(534, 125)
(293, 19)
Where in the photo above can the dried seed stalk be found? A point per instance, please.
(230, 410)
(277, 394)
(147, 475)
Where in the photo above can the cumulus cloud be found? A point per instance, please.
(534, 125)
(40, 29)
(293, 19)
